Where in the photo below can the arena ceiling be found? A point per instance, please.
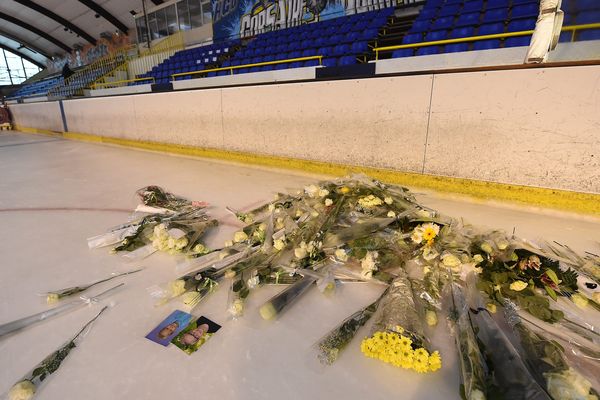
(40, 29)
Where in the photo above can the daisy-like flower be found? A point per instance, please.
(430, 231)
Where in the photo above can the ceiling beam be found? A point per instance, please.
(92, 5)
(35, 30)
(23, 42)
(24, 56)
(47, 13)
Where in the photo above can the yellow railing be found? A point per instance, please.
(124, 82)
(172, 42)
(260, 64)
(572, 28)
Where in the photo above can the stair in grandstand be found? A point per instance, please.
(398, 25)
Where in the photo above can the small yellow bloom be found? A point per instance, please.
(52, 298)
(344, 190)
(430, 231)
(435, 361)
(240, 236)
(517, 286)
(579, 300)
(431, 318)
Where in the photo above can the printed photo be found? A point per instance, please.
(170, 327)
(196, 334)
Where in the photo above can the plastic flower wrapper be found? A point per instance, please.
(546, 360)
(277, 305)
(512, 379)
(332, 344)
(473, 367)
(57, 295)
(22, 323)
(29, 386)
(397, 336)
(244, 278)
(157, 197)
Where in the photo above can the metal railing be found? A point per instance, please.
(260, 64)
(124, 82)
(572, 28)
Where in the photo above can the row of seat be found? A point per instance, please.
(38, 88)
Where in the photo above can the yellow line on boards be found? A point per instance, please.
(584, 203)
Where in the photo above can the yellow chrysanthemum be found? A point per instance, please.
(420, 366)
(421, 353)
(405, 342)
(435, 361)
(407, 359)
(430, 231)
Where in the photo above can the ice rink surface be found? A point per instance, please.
(56, 193)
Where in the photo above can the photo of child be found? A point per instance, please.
(195, 335)
(170, 327)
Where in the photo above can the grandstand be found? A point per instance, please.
(486, 110)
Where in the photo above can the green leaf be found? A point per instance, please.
(551, 292)
(552, 275)
(237, 286)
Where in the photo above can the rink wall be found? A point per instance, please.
(534, 127)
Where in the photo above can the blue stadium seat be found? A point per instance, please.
(433, 4)
(470, 19)
(436, 35)
(325, 51)
(586, 5)
(472, 6)
(341, 50)
(330, 62)
(491, 4)
(588, 17)
(517, 41)
(311, 52)
(467, 31)
(449, 10)
(420, 26)
(589, 34)
(486, 44)
(495, 15)
(347, 60)
(491, 29)
(517, 25)
(442, 23)
(525, 11)
(456, 47)
(360, 47)
(427, 14)
(425, 51)
(412, 38)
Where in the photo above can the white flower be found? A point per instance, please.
(181, 243)
(477, 394)
(279, 224)
(369, 264)
(568, 385)
(311, 190)
(491, 307)
(271, 207)
(301, 252)
(240, 236)
(431, 318)
(171, 242)
(253, 282)
(228, 243)
(328, 202)
(237, 308)
(478, 270)
(160, 231)
(200, 248)
(388, 200)
(279, 244)
(323, 192)
(177, 287)
(477, 258)
(341, 255)
(417, 235)
(391, 214)
(52, 298)
(370, 201)
(517, 286)
(424, 214)
(450, 260)
(485, 246)
(429, 253)
(502, 244)
(23, 390)
(262, 227)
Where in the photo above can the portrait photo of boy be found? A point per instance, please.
(170, 327)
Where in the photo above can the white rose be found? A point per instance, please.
(568, 385)
(388, 200)
(181, 243)
(228, 243)
(477, 258)
(477, 395)
(423, 214)
(328, 202)
(417, 236)
(23, 390)
(300, 253)
(391, 214)
(323, 192)
(262, 227)
(311, 190)
(253, 282)
(341, 255)
(279, 244)
(502, 244)
(450, 260)
(177, 287)
(171, 243)
(52, 298)
(240, 236)
(237, 308)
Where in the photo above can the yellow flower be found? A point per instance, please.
(435, 361)
(430, 231)
(344, 190)
(23, 390)
(431, 318)
(177, 287)
(421, 366)
(477, 258)
(517, 286)
(52, 298)
(407, 358)
(399, 329)
(421, 353)
(579, 300)
(240, 236)
(491, 307)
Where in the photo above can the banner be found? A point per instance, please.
(234, 19)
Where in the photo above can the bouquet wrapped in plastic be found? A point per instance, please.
(398, 336)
